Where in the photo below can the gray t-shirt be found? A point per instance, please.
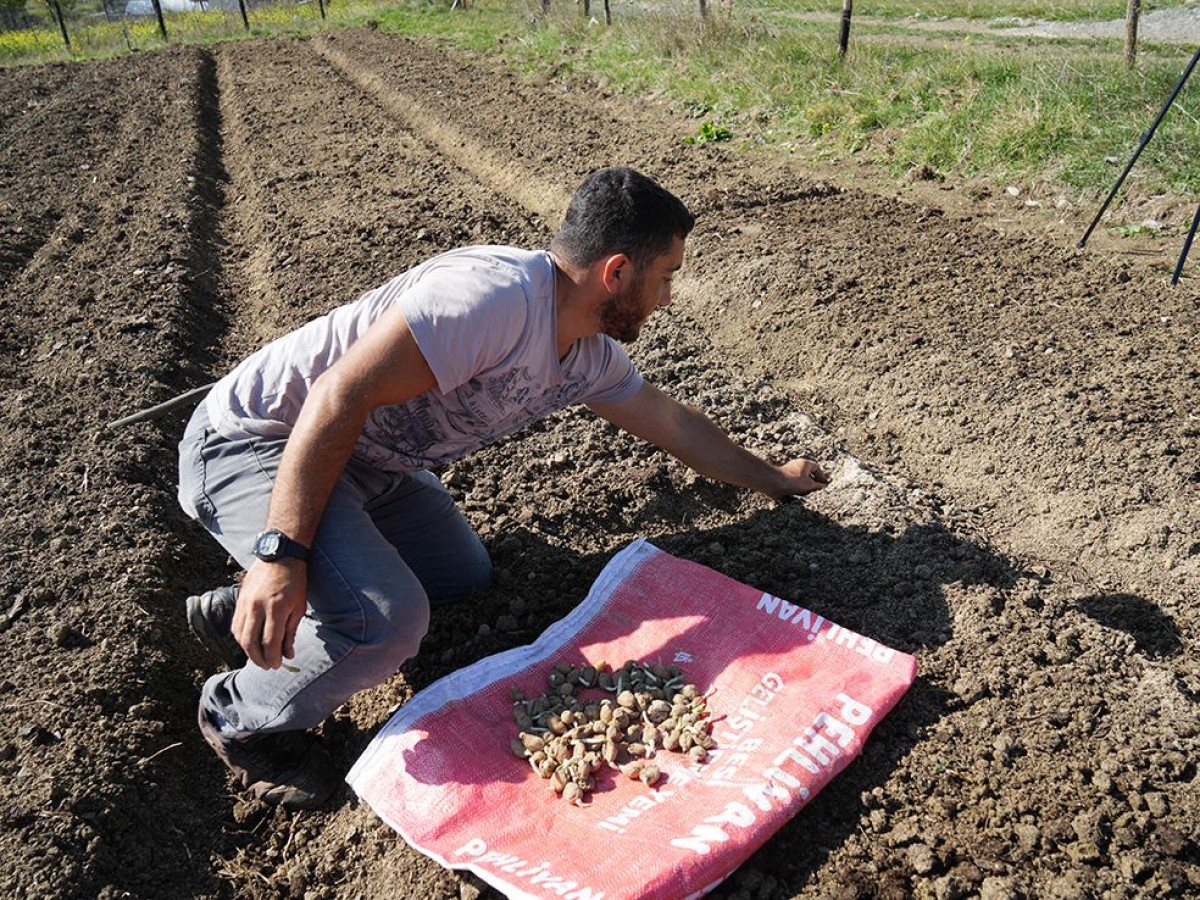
(485, 320)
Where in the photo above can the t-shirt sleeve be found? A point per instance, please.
(466, 318)
(615, 376)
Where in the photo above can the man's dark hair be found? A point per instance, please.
(618, 210)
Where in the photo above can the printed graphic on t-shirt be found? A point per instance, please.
(432, 429)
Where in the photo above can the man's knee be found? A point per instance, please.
(472, 576)
(478, 575)
(398, 628)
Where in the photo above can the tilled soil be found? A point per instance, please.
(1011, 424)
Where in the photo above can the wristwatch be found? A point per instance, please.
(273, 545)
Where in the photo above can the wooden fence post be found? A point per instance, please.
(844, 37)
(704, 9)
(1132, 12)
(62, 25)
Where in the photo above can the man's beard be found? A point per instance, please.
(622, 316)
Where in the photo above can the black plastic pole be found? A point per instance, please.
(162, 26)
(1142, 146)
(1187, 245)
(62, 25)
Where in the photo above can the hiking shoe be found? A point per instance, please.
(210, 619)
(286, 768)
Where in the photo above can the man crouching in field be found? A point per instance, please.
(309, 461)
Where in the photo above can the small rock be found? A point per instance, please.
(921, 858)
(1157, 804)
(62, 635)
(904, 832)
(1084, 852)
(1089, 828)
(996, 887)
(969, 689)
(507, 623)
(1028, 836)
(1134, 867)
(1004, 747)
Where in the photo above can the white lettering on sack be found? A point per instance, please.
(637, 806)
(814, 629)
(536, 873)
(793, 613)
(711, 831)
(817, 748)
(733, 746)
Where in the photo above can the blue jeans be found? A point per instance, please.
(387, 546)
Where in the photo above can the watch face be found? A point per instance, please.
(268, 544)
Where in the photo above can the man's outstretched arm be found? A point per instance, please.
(694, 439)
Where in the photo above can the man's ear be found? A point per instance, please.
(615, 272)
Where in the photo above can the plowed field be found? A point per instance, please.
(1011, 424)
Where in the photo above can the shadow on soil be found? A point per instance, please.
(1154, 633)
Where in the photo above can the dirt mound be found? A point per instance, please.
(1011, 425)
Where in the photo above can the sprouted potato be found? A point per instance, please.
(572, 730)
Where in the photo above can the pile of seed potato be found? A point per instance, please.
(572, 730)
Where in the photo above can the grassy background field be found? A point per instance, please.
(935, 103)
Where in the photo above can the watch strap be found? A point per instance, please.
(285, 547)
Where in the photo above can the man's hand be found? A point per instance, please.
(802, 476)
(271, 602)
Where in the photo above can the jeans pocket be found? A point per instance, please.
(193, 494)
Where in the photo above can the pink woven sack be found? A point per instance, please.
(792, 698)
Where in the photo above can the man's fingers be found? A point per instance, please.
(272, 643)
(249, 636)
(289, 639)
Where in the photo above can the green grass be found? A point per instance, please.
(994, 106)
(1047, 10)
(1008, 109)
(93, 37)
